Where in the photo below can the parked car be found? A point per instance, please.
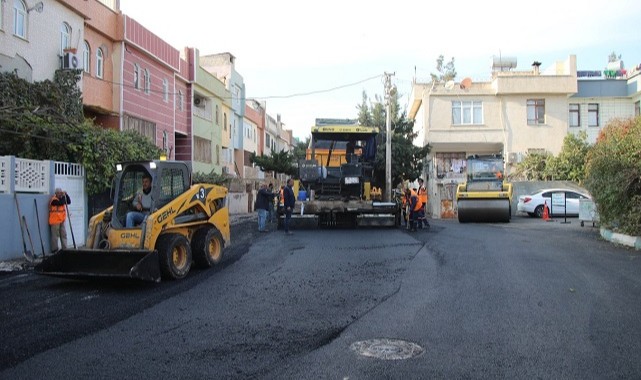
(533, 204)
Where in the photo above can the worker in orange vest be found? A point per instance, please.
(57, 216)
(404, 202)
(422, 195)
(415, 206)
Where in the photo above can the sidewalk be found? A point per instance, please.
(21, 263)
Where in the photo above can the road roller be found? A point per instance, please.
(485, 196)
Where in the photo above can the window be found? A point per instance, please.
(217, 154)
(225, 120)
(218, 115)
(65, 37)
(99, 63)
(593, 115)
(267, 140)
(467, 112)
(535, 111)
(165, 90)
(171, 186)
(136, 76)
(144, 127)
(181, 100)
(202, 150)
(575, 115)
(86, 57)
(19, 18)
(637, 108)
(147, 81)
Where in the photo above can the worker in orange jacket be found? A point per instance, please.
(57, 217)
(422, 195)
(415, 206)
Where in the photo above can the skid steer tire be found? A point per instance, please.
(174, 254)
(207, 247)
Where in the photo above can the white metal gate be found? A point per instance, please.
(71, 178)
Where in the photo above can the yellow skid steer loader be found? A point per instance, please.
(185, 223)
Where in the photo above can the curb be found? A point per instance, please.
(615, 237)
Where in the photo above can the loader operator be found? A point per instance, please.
(142, 203)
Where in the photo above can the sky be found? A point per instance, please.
(311, 60)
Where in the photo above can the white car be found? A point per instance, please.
(564, 199)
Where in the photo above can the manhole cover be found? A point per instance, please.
(387, 349)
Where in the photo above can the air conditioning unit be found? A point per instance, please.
(70, 61)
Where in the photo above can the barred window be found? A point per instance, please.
(144, 127)
(202, 150)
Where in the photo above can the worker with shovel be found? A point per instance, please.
(57, 216)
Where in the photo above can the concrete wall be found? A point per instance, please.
(239, 203)
(12, 247)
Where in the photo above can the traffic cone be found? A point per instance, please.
(546, 213)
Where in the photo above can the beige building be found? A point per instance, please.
(516, 112)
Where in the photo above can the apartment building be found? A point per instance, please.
(604, 95)
(514, 113)
(209, 95)
(223, 66)
(35, 37)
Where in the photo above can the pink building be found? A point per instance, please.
(156, 95)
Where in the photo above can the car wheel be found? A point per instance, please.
(538, 211)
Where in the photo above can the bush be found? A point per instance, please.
(212, 178)
(613, 175)
(44, 121)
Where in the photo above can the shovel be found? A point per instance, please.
(35, 205)
(27, 253)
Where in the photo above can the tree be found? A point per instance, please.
(44, 121)
(444, 73)
(279, 162)
(613, 57)
(613, 175)
(407, 159)
(569, 165)
(533, 167)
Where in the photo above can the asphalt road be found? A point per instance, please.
(527, 299)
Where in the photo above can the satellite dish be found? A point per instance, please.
(466, 83)
(449, 84)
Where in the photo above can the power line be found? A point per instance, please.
(318, 91)
(314, 92)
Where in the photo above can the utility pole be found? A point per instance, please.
(390, 91)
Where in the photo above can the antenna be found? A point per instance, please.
(466, 83)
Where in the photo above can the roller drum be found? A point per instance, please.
(483, 210)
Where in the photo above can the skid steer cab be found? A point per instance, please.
(176, 224)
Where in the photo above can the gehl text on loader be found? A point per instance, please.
(185, 223)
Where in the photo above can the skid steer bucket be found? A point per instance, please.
(102, 264)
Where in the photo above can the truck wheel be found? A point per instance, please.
(175, 256)
(207, 247)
